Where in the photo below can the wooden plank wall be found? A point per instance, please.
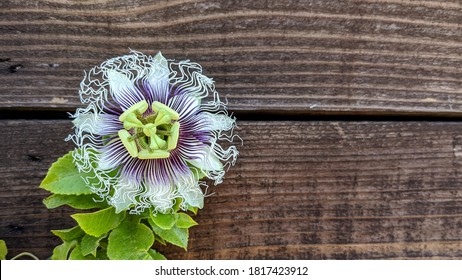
(350, 112)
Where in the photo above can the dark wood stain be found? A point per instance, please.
(307, 57)
(299, 190)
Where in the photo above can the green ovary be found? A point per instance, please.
(152, 136)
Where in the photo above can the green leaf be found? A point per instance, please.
(159, 239)
(83, 202)
(89, 244)
(164, 221)
(184, 221)
(98, 223)
(130, 241)
(76, 254)
(146, 214)
(156, 255)
(101, 254)
(64, 178)
(69, 234)
(176, 236)
(3, 250)
(61, 252)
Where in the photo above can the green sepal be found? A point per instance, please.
(3, 250)
(89, 244)
(156, 255)
(164, 221)
(68, 234)
(82, 202)
(184, 221)
(197, 172)
(61, 252)
(177, 206)
(63, 177)
(130, 241)
(146, 214)
(100, 222)
(176, 236)
(76, 254)
(193, 209)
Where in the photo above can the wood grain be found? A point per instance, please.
(300, 190)
(368, 57)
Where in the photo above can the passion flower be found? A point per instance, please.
(149, 133)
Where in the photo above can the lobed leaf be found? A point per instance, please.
(159, 239)
(63, 177)
(69, 234)
(89, 244)
(76, 254)
(101, 254)
(184, 221)
(100, 222)
(164, 221)
(61, 252)
(82, 202)
(130, 241)
(176, 236)
(156, 255)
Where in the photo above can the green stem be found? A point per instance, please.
(32, 256)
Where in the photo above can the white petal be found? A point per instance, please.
(101, 124)
(207, 160)
(124, 195)
(160, 196)
(185, 105)
(219, 122)
(111, 155)
(158, 77)
(188, 188)
(123, 89)
(194, 197)
(160, 59)
(86, 122)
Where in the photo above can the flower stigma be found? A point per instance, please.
(149, 135)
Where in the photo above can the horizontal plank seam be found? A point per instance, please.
(23, 113)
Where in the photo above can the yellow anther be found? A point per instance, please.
(128, 143)
(131, 121)
(138, 108)
(173, 138)
(155, 135)
(145, 154)
(162, 118)
(157, 106)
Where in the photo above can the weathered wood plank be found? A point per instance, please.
(304, 57)
(300, 190)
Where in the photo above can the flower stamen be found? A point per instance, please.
(156, 134)
(139, 108)
(128, 142)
